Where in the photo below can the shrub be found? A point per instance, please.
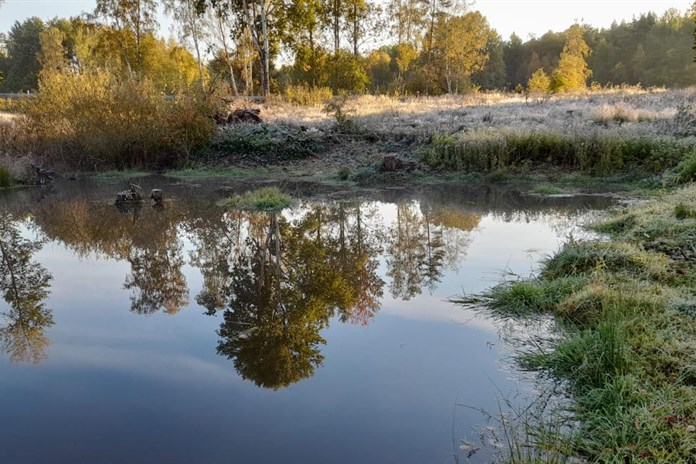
(305, 95)
(619, 114)
(5, 178)
(91, 119)
(682, 211)
(339, 108)
(266, 141)
(539, 83)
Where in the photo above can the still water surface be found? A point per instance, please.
(198, 334)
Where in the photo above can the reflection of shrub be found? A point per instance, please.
(92, 120)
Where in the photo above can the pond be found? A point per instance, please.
(196, 333)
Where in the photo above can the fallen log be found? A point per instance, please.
(392, 163)
(245, 116)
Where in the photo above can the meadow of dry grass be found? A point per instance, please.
(624, 112)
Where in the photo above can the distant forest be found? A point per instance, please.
(408, 47)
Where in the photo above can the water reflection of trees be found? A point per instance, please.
(147, 238)
(421, 242)
(24, 285)
(278, 282)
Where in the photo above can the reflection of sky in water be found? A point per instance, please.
(121, 387)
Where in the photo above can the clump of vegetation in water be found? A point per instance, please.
(627, 338)
(6, 180)
(547, 190)
(263, 199)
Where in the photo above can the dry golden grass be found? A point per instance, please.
(6, 117)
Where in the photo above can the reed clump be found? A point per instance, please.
(592, 153)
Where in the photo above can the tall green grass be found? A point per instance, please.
(593, 153)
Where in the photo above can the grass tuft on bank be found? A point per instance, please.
(626, 342)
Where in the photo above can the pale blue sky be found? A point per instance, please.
(524, 17)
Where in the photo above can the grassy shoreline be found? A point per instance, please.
(626, 343)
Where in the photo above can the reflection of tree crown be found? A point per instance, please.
(24, 285)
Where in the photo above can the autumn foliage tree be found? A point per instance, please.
(572, 72)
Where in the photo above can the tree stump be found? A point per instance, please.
(157, 196)
(130, 196)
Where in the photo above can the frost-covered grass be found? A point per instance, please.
(626, 339)
(621, 111)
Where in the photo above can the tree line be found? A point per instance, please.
(426, 47)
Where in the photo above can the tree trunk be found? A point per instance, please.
(266, 52)
(230, 68)
(313, 58)
(337, 25)
(356, 30)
